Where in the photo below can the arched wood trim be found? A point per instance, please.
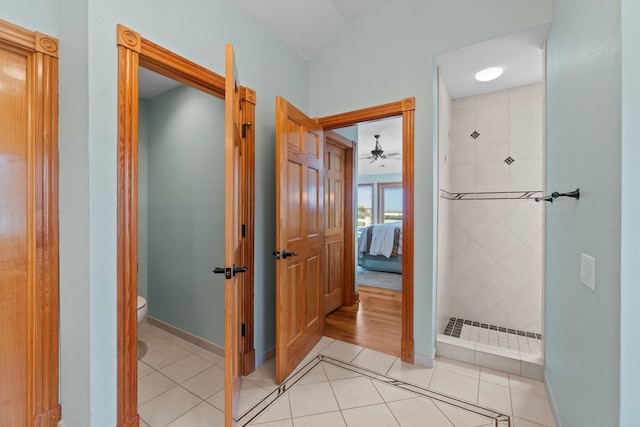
(43, 408)
(404, 108)
(135, 51)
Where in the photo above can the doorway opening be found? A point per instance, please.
(403, 112)
(375, 321)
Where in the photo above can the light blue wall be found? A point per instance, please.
(143, 201)
(186, 211)
(387, 55)
(582, 345)
(34, 15)
(630, 272)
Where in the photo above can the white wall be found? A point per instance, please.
(490, 256)
(582, 357)
(406, 34)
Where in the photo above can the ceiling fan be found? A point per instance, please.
(378, 153)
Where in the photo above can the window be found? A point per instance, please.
(365, 205)
(389, 202)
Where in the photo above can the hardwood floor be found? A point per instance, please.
(375, 322)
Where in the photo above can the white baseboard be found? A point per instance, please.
(422, 360)
(187, 336)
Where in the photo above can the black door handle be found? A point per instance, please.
(218, 270)
(286, 254)
(239, 269)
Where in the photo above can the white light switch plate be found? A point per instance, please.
(588, 271)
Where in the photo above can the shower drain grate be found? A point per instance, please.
(454, 328)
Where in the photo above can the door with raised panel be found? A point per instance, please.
(299, 236)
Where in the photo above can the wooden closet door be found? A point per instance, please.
(14, 261)
(28, 228)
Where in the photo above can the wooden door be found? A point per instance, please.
(299, 236)
(233, 239)
(28, 228)
(335, 193)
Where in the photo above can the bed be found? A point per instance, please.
(380, 247)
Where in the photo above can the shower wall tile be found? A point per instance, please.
(463, 121)
(490, 147)
(490, 251)
(491, 176)
(499, 242)
(462, 151)
(464, 103)
(463, 178)
(526, 113)
(526, 143)
(526, 91)
(524, 222)
(525, 175)
(500, 96)
(474, 259)
(492, 118)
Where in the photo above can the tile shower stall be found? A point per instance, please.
(490, 228)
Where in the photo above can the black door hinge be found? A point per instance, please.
(244, 129)
(244, 230)
(243, 331)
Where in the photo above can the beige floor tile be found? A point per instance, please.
(153, 385)
(155, 343)
(316, 375)
(264, 375)
(311, 399)
(456, 385)
(354, 392)
(278, 410)
(374, 360)
(193, 348)
(206, 383)
(143, 424)
(217, 400)
(458, 367)
(462, 418)
(337, 373)
(250, 395)
(211, 357)
(369, 416)
(333, 419)
(410, 373)
(322, 344)
(170, 405)
(495, 397)
(527, 385)
(165, 356)
(414, 412)
(144, 369)
(519, 422)
(531, 407)
(391, 393)
(185, 368)
(281, 423)
(342, 351)
(203, 415)
(493, 376)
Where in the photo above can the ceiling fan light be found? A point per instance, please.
(489, 74)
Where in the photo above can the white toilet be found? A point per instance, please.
(142, 308)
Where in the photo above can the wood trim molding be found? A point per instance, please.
(248, 105)
(404, 108)
(42, 406)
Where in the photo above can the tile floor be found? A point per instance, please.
(338, 384)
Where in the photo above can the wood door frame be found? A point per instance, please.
(41, 52)
(135, 51)
(404, 108)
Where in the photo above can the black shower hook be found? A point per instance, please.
(575, 194)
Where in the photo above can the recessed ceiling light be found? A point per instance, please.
(489, 74)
